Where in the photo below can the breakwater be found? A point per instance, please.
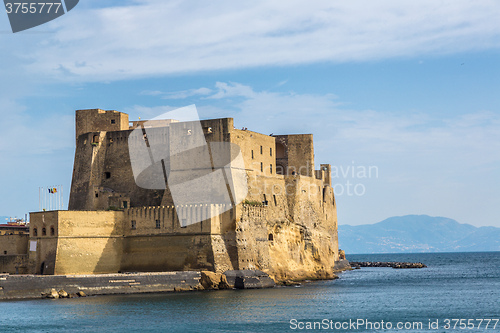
(359, 264)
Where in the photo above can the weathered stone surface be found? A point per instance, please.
(52, 294)
(249, 279)
(37, 286)
(63, 294)
(342, 265)
(81, 294)
(210, 280)
(14, 258)
(290, 283)
(341, 254)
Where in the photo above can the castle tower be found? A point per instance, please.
(96, 120)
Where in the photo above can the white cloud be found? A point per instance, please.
(157, 37)
(446, 167)
(232, 90)
(178, 94)
(187, 93)
(468, 139)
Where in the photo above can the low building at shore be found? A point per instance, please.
(14, 237)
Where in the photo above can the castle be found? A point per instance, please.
(284, 222)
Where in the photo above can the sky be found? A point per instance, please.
(402, 97)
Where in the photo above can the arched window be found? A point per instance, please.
(44, 232)
(52, 231)
(271, 237)
(35, 232)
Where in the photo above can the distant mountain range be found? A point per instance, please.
(417, 233)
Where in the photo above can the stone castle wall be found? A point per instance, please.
(287, 225)
(136, 239)
(13, 253)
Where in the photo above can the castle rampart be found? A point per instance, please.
(286, 226)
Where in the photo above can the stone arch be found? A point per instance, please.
(280, 150)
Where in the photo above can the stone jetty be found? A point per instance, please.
(359, 264)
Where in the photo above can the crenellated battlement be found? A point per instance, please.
(175, 219)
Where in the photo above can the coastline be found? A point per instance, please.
(18, 287)
(36, 286)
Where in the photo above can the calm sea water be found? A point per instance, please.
(454, 286)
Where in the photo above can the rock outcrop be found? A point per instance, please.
(249, 279)
(213, 281)
(53, 294)
(342, 265)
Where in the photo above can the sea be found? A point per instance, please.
(457, 292)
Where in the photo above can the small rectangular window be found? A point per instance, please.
(261, 167)
(158, 225)
(132, 224)
(113, 121)
(261, 150)
(271, 151)
(107, 175)
(271, 169)
(252, 154)
(125, 204)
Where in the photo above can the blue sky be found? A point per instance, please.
(410, 88)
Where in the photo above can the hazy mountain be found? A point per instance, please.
(417, 233)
